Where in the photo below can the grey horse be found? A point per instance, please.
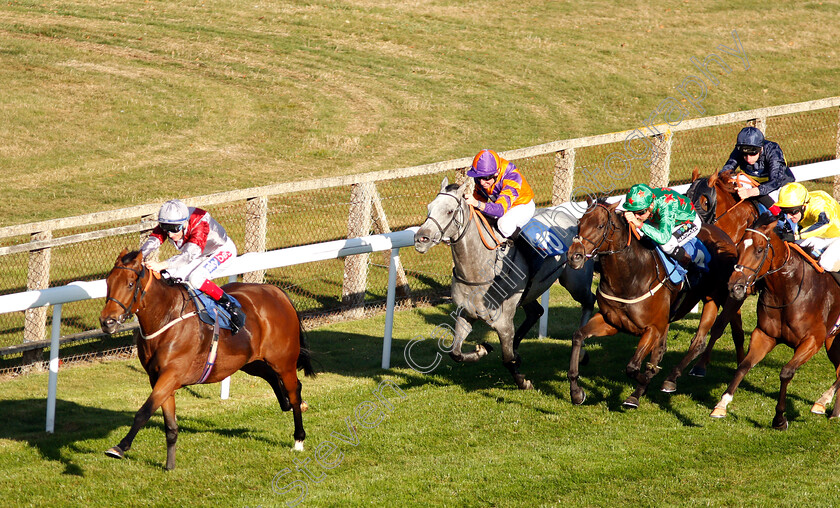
(491, 278)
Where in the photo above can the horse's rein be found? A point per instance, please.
(483, 219)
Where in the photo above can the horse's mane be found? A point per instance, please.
(725, 181)
(130, 257)
(763, 220)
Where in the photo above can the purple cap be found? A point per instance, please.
(484, 164)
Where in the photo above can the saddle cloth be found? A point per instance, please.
(207, 309)
(550, 232)
(695, 249)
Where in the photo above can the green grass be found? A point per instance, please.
(108, 104)
(462, 435)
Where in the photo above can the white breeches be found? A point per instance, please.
(203, 268)
(830, 248)
(516, 217)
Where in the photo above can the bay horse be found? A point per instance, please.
(489, 282)
(636, 296)
(174, 345)
(797, 307)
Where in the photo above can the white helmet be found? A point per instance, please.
(173, 212)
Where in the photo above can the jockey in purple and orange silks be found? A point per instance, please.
(501, 192)
(203, 247)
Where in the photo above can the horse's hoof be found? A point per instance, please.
(697, 371)
(669, 387)
(526, 385)
(303, 406)
(783, 425)
(579, 399)
(487, 347)
(818, 409)
(631, 402)
(718, 412)
(298, 446)
(115, 452)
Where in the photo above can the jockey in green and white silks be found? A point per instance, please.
(666, 217)
(203, 247)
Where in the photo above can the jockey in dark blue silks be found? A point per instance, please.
(761, 160)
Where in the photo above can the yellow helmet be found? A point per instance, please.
(792, 195)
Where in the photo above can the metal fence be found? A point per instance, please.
(55, 252)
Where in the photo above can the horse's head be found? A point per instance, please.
(757, 250)
(594, 232)
(704, 198)
(125, 290)
(447, 215)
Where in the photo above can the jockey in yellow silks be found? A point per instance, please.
(501, 192)
(817, 217)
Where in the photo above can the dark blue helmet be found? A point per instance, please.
(750, 136)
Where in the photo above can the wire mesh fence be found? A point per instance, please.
(324, 291)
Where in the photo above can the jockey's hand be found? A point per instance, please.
(747, 192)
(156, 266)
(632, 219)
(472, 201)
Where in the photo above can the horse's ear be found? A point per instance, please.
(589, 201)
(444, 183)
(713, 179)
(613, 206)
(695, 174)
(122, 254)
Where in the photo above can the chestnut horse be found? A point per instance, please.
(174, 345)
(797, 308)
(636, 296)
(716, 201)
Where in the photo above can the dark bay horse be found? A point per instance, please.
(490, 282)
(636, 296)
(797, 308)
(173, 345)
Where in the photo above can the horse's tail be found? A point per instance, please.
(304, 360)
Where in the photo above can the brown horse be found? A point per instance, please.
(174, 345)
(797, 308)
(717, 202)
(636, 296)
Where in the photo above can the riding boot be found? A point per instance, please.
(682, 257)
(237, 316)
(836, 276)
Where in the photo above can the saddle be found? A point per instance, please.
(209, 311)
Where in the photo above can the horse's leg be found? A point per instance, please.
(707, 319)
(653, 342)
(463, 327)
(596, 327)
(807, 348)
(165, 386)
(760, 345)
(828, 396)
(533, 313)
(579, 284)
(735, 326)
(510, 358)
(171, 424)
(262, 370)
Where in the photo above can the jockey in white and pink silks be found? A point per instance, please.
(203, 247)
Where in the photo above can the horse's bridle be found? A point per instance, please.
(138, 290)
(457, 218)
(755, 277)
(608, 232)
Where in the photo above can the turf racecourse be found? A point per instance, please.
(460, 436)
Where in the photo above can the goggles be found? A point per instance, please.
(171, 228)
(749, 150)
(792, 210)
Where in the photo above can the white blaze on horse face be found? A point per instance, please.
(747, 243)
